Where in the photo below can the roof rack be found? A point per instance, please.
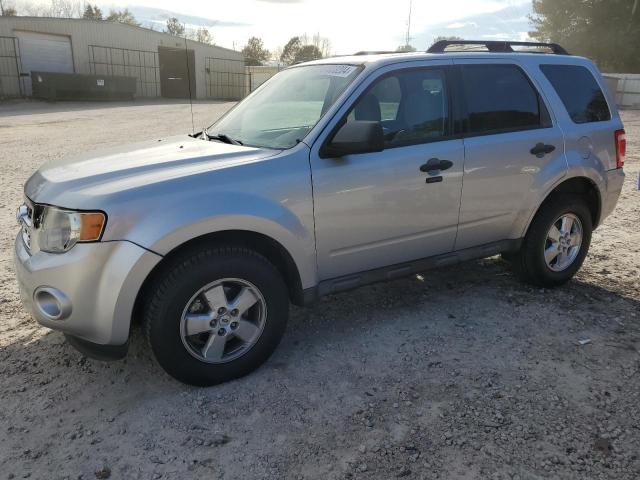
(498, 46)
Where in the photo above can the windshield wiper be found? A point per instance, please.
(222, 137)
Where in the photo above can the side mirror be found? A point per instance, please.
(355, 137)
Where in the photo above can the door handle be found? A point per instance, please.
(541, 149)
(435, 164)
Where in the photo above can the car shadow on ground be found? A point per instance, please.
(428, 304)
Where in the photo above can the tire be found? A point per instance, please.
(530, 264)
(174, 309)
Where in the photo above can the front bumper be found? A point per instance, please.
(97, 283)
(615, 180)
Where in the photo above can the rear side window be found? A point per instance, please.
(500, 98)
(579, 92)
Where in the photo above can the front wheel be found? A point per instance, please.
(557, 242)
(215, 314)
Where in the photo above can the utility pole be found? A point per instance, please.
(407, 39)
(1, 8)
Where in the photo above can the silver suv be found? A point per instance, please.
(334, 174)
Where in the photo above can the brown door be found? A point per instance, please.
(177, 72)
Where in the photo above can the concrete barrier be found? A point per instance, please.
(625, 87)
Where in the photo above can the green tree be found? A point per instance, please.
(607, 31)
(290, 50)
(174, 27)
(307, 53)
(254, 52)
(122, 16)
(92, 12)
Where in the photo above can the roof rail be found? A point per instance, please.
(497, 46)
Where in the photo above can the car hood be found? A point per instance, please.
(71, 181)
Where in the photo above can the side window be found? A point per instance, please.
(500, 98)
(389, 94)
(411, 105)
(579, 92)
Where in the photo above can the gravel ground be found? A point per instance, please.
(463, 374)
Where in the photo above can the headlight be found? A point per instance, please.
(61, 229)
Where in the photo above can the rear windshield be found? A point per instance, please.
(579, 92)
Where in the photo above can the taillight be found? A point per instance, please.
(621, 148)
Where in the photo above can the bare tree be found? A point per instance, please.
(276, 53)
(55, 8)
(66, 9)
(7, 10)
(174, 27)
(203, 35)
(323, 44)
(31, 9)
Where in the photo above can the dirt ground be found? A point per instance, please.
(464, 374)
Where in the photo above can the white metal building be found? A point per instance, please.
(164, 65)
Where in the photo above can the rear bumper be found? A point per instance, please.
(88, 292)
(615, 180)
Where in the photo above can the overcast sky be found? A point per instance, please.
(351, 25)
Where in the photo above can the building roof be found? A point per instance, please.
(18, 19)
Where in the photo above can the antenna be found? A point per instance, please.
(408, 37)
(186, 53)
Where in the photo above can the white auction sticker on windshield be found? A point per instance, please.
(340, 70)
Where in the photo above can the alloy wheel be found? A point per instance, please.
(563, 242)
(223, 320)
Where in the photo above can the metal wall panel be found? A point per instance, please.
(10, 83)
(119, 36)
(130, 63)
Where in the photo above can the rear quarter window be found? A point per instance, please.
(580, 93)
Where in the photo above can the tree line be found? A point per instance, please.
(607, 31)
(301, 48)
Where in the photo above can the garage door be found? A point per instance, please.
(42, 52)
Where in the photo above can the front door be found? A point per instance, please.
(378, 209)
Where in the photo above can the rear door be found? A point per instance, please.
(512, 147)
(378, 209)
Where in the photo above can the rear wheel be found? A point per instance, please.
(215, 314)
(557, 242)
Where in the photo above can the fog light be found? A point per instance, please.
(52, 303)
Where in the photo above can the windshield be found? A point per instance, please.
(287, 107)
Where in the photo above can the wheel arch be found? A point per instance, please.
(266, 246)
(579, 185)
